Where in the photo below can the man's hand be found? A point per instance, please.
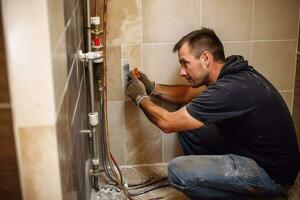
(149, 85)
(136, 90)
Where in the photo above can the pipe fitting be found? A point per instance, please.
(96, 162)
(84, 57)
(93, 119)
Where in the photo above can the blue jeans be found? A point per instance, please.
(206, 173)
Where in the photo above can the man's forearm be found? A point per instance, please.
(167, 121)
(179, 94)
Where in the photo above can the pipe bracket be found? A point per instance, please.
(94, 55)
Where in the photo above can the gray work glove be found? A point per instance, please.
(149, 85)
(136, 90)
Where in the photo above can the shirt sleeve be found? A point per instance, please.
(214, 105)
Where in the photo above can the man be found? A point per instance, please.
(237, 133)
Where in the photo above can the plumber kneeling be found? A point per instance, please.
(235, 129)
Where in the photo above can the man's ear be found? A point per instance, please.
(205, 58)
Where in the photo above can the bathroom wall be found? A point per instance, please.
(296, 103)
(10, 188)
(48, 97)
(66, 28)
(143, 32)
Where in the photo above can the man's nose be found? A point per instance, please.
(182, 71)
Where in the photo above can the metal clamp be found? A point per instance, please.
(84, 57)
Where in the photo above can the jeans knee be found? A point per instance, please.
(176, 173)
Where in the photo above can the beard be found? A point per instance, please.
(197, 83)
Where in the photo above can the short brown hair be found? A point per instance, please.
(201, 40)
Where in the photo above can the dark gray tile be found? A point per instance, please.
(71, 42)
(73, 147)
(68, 9)
(72, 90)
(64, 147)
(79, 24)
(80, 65)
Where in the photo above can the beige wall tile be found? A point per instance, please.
(116, 130)
(124, 23)
(238, 48)
(131, 175)
(60, 73)
(133, 55)
(275, 19)
(143, 139)
(276, 61)
(161, 64)
(231, 19)
(114, 73)
(39, 160)
(30, 75)
(172, 148)
(288, 98)
(169, 20)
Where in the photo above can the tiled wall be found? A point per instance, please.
(66, 26)
(10, 188)
(143, 32)
(296, 103)
(49, 97)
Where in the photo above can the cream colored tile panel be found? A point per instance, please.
(161, 64)
(60, 74)
(143, 139)
(29, 61)
(124, 22)
(275, 19)
(39, 159)
(238, 48)
(116, 130)
(231, 19)
(288, 98)
(169, 20)
(172, 148)
(133, 55)
(276, 61)
(114, 73)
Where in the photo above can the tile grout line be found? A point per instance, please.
(144, 165)
(286, 91)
